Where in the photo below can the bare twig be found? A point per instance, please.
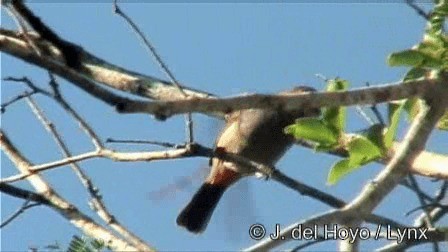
(25, 80)
(375, 110)
(13, 100)
(63, 207)
(56, 95)
(96, 200)
(363, 114)
(422, 200)
(26, 205)
(70, 111)
(163, 66)
(22, 27)
(159, 143)
(426, 214)
(442, 191)
(417, 9)
(424, 195)
(437, 212)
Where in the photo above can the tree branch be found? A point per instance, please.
(362, 206)
(63, 207)
(94, 69)
(150, 87)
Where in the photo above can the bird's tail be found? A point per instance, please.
(196, 215)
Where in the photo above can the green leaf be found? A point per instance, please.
(412, 107)
(411, 58)
(443, 122)
(339, 170)
(415, 73)
(335, 117)
(437, 18)
(337, 85)
(375, 134)
(78, 244)
(394, 118)
(85, 244)
(313, 129)
(435, 47)
(361, 151)
(432, 44)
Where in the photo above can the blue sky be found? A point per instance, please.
(225, 49)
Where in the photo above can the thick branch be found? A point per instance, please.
(146, 86)
(23, 194)
(118, 78)
(95, 69)
(361, 96)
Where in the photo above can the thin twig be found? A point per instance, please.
(378, 115)
(426, 213)
(68, 108)
(417, 9)
(13, 100)
(57, 96)
(96, 199)
(158, 143)
(26, 205)
(423, 203)
(437, 212)
(22, 27)
(375, 111)
(163, 66)
(29, 83)
(424, 195)
(63, 207)
(363, 114)
(307, 190)
(440, 195)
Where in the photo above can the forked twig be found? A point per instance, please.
(163, 66)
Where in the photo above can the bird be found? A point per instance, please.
(255, 134)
